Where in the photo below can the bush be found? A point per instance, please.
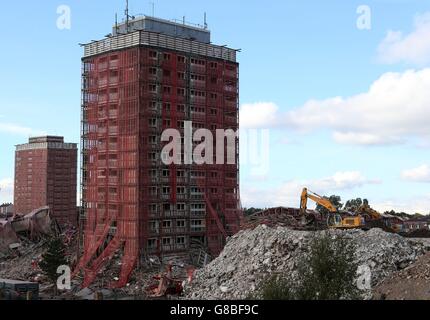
(329, 272)
(277, 288)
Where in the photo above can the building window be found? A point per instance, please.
(167, 241)
(152, 122)
(167, 224)
(153, 71)
(152, 139)
(166, 57)
(180, 223)
(166, 173)
(152, 243)
(153, 225)
(180, 173)
(180, 190)
(153, 104)
(181, 124)
(180, 240)
(153, 54)
(153, 191)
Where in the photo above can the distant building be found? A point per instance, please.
(412, 225)
(6, 210)
(45, 175)
(396, 223)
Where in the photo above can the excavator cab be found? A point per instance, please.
(336, 221)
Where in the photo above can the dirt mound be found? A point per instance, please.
(412, 283)
(422, 233)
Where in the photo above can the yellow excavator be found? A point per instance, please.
(367, 211)
(334, 219)
(372, 217)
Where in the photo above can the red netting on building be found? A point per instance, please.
(133, 202)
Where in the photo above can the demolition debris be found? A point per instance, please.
(251, 255)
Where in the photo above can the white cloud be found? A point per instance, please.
(258, 115)
(342, 181)
(363, 138)
(409, 205)
(6, 190)
(15, 129)
(412, 48)
(394, 110)
(288, 193)
(419, 174)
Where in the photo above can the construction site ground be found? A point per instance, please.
(20, 265)
(400, 267)
(411, 283)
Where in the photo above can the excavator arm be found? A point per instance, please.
(306, 194)
(365, 209)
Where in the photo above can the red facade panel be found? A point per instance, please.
(132, 200)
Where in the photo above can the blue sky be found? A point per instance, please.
(360, 145)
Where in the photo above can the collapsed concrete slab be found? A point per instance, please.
(35, 224)
(7, 235)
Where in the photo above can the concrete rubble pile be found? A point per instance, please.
(141, 279)
(251, 255)
(22, 266)
(23, 262)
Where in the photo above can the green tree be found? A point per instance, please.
(54, 257)
(329, 272)
(353, 204)
(335, 200)
(250, 211)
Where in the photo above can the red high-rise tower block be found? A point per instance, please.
(46, 175)
(152, 75)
